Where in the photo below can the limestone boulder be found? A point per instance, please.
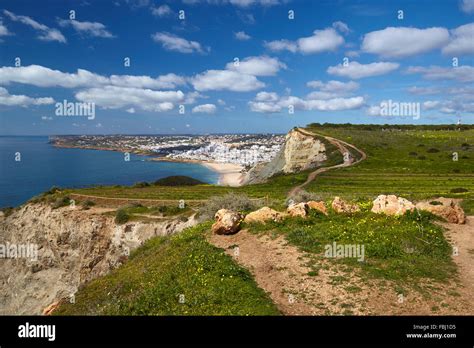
(341, 206)
(319, 206)
(446, 208)
(299, 209)
(227, 222)
(263, 215)
(391, 205)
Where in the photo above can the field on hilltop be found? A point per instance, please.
(415, 163)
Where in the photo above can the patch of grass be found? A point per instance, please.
(166, 270)
(403, 249)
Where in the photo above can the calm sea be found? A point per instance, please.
(43, 166)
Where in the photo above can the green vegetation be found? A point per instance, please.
(232, 201)
(121, 217)
(404, 249)
(61, 202)
(178, 275)
(178, 180)
(393, 162)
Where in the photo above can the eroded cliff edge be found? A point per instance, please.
(299, 152)
(73, 246)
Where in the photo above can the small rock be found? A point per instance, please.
(51, 308)
(300, 209)
(340, 206)
(227, 222)
(447, 208)
(264, 214)
(319, 206)
(392, 205)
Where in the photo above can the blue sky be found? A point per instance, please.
(335, 61)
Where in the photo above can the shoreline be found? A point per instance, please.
(230, 174)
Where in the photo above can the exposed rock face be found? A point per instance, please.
(447, 208)
(340, 206)
(264, 214)
(74, 246)
(300, 209)
(392, 205)
(227, 222)
(300, 152)
(319, 206)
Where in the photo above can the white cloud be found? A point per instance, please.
(467, 6)
(131, 110)
(225, 80)
(355, 70)
(242, 36)
(113, 97)
(462, 40)
(257, 66)
(172, 42)
(464, 73)
(161, 11)
(41, 76)
(94, 29)
(424, 90)
(264, 107)
(266, 97)
(331, 89)
(334, 86)
(205, 108)
(431, 104)
(281, 45)
(398, 42)
(46, 33)
(269, 102)
(4, 30)
(321, 41)
(374, 110)
(21, 100)
(341, 27)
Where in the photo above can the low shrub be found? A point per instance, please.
(459, 190)
(121, 217)
(61, 202)
(303, 196)
(432, 150)
(231, 201)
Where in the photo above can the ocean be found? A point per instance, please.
(41, 166)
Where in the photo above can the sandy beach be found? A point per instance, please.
(229, 174)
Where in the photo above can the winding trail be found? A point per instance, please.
(342, 146)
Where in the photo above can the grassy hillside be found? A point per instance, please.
(415, 163)
(179, 275)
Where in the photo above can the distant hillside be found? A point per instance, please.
(178, 180)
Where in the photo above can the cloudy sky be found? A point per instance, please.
(212, 66)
